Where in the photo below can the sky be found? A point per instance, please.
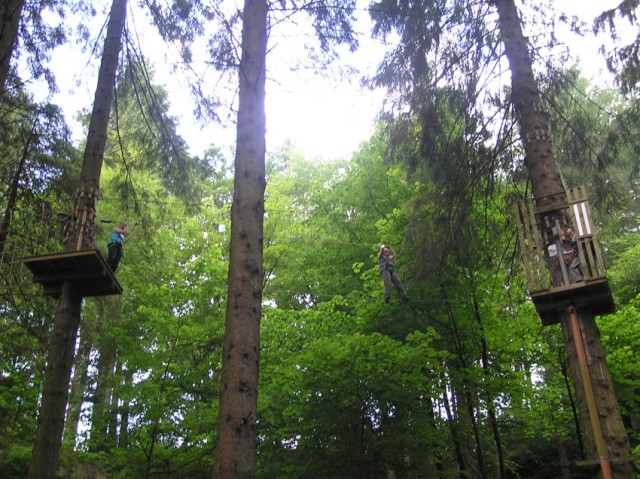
(320, 116)
(323, 118)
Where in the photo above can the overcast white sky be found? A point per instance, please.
(323, 118)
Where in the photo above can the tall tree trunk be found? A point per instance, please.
(455, 434)
(613, 430)
(491, 410)
(101, 414)
(530, 111)
(80, 229)
(548, 189)
(471, 411)
(123, 430)
(79, 236)
(10, 13)
(78, 387)
(574, 408)
(465, 399)
(235, 454)
(48, 440)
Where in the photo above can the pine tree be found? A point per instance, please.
(55, 394)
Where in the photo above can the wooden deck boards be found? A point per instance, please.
(87, 269)
(594, 294)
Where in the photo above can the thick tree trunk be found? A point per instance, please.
(80, 229)
(10, 13)
(237, 417)
(530, 111)
(613, 430)
(79, 236)
(563, 458)
(548, 189)
(46, 449)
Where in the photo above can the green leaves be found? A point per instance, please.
(369, 384)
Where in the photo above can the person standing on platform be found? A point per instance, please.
(573, 256)
(115, 246)
(554, 265)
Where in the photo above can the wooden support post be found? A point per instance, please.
(605, 465)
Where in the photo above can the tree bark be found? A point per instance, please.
(48, 440)
(78, 385)
(565, 469)
(79, 236)
(530, 111)
(101, 438)
(80, 229)
(123, 430)
(237, 416)
(613, 430)
(452, 422)
(10, 13)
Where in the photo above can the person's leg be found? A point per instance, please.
(556, 271)
(117, 257)
(398, 284)
(575, 271)
(386, 279)
(113, 248)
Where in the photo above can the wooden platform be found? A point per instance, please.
(87, 269)
(593, 294)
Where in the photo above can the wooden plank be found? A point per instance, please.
(594, 294)
(587, 260)
(598, 261)
(541, 268)
(87, 269)
(536, 268)
(520, 216)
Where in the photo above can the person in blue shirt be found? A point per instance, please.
(389, 274)
(115, 246)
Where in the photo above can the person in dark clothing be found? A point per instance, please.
(115, 246)
(572, 256)
(389, 274)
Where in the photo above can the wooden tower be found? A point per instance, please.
(550, 258)
(566, 278)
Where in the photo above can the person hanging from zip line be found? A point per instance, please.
(115, 246)
(389, 274)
